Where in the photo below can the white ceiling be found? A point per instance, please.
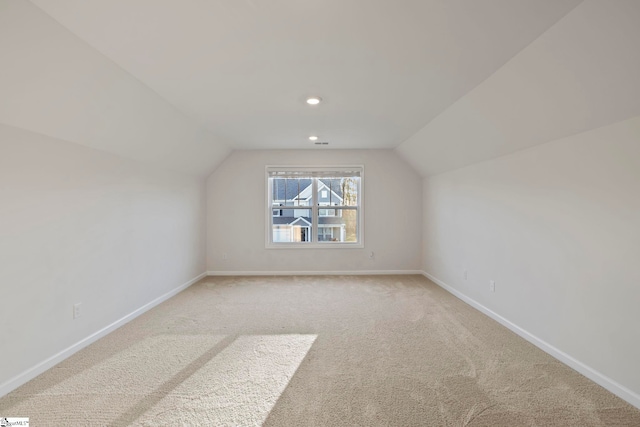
(54, 84)
(581, 74)
(448, 82)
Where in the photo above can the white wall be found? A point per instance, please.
(236, 214)
(557, 227)
(80, 225)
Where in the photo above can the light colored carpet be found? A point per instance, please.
(315, 351)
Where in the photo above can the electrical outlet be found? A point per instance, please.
(492, 285)
(77, 310)
(465, 274)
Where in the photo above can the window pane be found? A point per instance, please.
(291, 225)
(349, 190)
(343, 227)
(291, 191)
(338, 191)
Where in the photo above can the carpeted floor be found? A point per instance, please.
(314, 351)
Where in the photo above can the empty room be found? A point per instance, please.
(320, 213)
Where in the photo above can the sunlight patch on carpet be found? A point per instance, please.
(239, 386)
(143, 367)
(103, 392)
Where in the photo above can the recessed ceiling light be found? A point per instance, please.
(313, 138)
(314, 100)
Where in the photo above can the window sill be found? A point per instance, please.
(328, 245)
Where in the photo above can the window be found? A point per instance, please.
(314, 207)
(326, 212)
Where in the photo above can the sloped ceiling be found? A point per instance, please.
(447, 82)
(54, 84)
(581, 74)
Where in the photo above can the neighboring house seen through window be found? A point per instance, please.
(313, 207)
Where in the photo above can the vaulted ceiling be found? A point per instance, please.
(446, 82)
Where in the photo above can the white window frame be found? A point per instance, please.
(314, 244)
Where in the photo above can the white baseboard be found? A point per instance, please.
(33, 372)
(313, 273)
(595, 376)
